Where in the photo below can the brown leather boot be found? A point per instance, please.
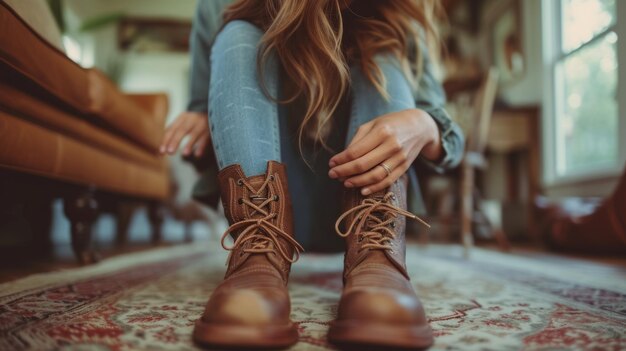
(378, 306)
(251, 307)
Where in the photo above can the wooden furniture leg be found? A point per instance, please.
(123, 216)
(445, 210)
(467, 208)
(82, 210)
(38, 213)
(156, 214)
(495, 229)
(188, 234)
(534, 170)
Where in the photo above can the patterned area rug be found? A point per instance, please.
(149, 301)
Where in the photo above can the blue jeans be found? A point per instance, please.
(244, 122)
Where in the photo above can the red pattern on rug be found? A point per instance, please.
(472, 305)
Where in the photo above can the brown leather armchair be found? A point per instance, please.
(69, 131)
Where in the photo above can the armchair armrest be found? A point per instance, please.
(156, 104)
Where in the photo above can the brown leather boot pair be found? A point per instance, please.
(251, 307)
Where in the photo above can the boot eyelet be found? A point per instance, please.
(240, 201)
(393, 224)
(276, 197)
(360, 239)
(240, 182)
(393, 196)
(272, 177)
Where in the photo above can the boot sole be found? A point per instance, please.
(244, 337)
(360, 336)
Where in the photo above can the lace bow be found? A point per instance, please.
(372, 221)
(262, 234)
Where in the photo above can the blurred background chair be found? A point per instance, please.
(459, 204)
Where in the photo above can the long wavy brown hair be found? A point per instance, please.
(315, 41)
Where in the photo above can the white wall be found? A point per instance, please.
(527, 90)
(101, 44)
(86, 9)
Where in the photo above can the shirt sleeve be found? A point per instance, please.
(431, 98)
(206, 23)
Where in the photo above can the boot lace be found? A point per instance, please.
(262, 234)
(373, 221)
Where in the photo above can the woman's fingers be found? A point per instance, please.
(169, 132)
(403, 134)
(373, 176)
(187, 123)
(360, 133)
(202, 144)
(367, 143)
(376, 174)
(194, 136)
(366, 162)
(177, 136)
(398, 164)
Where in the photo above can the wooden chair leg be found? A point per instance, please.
(467, 204)
(495, 229)
(503, 242)
(446, 212)
(188, 234)
(156, 214)
(82, 211)
(38, 212)
(123, 216)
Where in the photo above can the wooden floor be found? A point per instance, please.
(19, 263)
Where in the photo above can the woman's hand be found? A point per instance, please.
(396, 139)
(194, 124)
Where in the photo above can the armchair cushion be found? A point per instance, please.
(86, 91)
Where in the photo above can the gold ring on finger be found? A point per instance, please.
(386, 168)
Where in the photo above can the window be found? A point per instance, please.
(583, 135)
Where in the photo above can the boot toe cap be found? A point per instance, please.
(248, 307)
(382, 306)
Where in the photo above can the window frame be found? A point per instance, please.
(553, 55)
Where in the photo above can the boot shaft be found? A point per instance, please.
(362, 242)
(258, 208)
